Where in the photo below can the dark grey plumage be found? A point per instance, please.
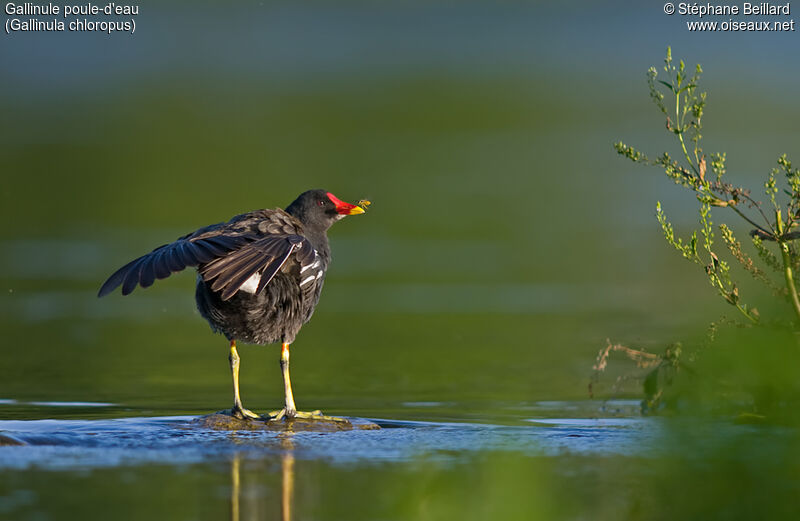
(282, 302)
(260, 274)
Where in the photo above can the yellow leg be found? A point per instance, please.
(238, 410)
(289, 410)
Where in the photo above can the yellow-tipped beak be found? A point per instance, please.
(343, 208)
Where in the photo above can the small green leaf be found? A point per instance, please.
(668, 85)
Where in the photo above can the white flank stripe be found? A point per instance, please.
(307, 280)
(316, 264)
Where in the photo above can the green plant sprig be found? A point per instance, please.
(684, 121)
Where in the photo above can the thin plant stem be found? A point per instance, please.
(757, 206)
(787, 265)
(787, 274)
(679, 119)
(744, 312)
(743, 216)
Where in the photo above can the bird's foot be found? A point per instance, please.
(285, 414)
(244, 414)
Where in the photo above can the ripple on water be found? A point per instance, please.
(65, 444)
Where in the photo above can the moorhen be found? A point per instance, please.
(259, 279)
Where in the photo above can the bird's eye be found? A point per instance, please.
(321, 202)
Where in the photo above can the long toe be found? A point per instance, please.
(302, 415)
(244, 414)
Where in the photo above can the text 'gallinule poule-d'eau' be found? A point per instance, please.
(260, 276)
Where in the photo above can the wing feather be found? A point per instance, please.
(171, 258)
(227, 272)
(272, 269)
(226, 254)
(188, 254)
(117, 278)
(265, 256)
(132, 276)
(201, 253)
(255, 265)
(147, 275)
(161, 265)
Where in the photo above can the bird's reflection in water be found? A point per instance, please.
(287, 485)
(287, 477)
(236, 491)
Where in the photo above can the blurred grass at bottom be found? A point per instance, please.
(744, 371)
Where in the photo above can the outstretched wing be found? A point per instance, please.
(252, 245)
(263, 257)
(194, 249)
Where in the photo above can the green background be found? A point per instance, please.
(506, 241)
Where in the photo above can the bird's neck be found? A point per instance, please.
(319, 240)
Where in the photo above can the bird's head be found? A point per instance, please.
(320, 208)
